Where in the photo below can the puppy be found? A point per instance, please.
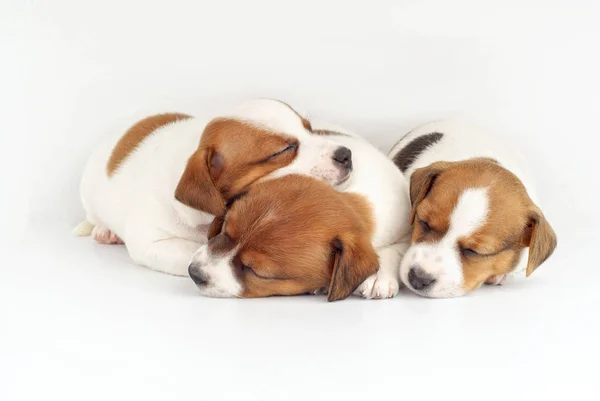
(474, 211)
(287, 236)
(158, 186)
(378, 180)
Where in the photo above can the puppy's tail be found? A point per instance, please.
(83, 229)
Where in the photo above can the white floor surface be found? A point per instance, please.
(81, 322)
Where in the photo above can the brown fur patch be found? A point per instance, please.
(509, 225)
(136, 134)
(296, 234)
(231, 156)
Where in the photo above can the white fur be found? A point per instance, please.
(469, 214)
(137, 203)
(223, 283)
(377, 179)
(461, 141)
(442, 259)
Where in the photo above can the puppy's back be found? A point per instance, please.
(132, 164)
(455, 140)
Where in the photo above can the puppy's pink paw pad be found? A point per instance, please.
(103, 235)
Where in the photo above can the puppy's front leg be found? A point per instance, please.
(496, 280)
(169, 255)
(386, 282)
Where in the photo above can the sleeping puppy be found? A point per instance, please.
(474, 212)
(378, 180)
(382, 187)
(158, 186)
(287, 236)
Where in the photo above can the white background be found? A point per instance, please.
(79, 321)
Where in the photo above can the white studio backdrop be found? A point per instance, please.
(79, 321)
(74, 71)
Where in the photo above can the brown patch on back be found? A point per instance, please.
(136, 134)
(412, 150)
(296, 234)
(500, 240)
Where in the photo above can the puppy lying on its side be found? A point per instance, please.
(383, 188)
(287, 236)
(474, 211)
(158, 186)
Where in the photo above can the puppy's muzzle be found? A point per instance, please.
(419, 279)
(197, 276)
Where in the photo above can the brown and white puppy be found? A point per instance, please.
(158, 186)
(288, 236)
(473, 213)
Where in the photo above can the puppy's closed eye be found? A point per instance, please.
(467, 252)
(233, 199)
(248, 269)
(424, 226)
(290, 148)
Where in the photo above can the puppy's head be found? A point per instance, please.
(258, 139)
(287, 236)
(471, 221)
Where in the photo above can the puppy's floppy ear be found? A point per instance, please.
(421, 181)
(540, 238)
(197, 187)
(216, 226)
(354, 261)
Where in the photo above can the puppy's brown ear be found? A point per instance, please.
(197, 187)
(354, 261)
(216, 226)
(421, 181)
(540, 238)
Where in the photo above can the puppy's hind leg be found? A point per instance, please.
(103, 235)
(91, 226)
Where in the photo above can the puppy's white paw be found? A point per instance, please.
(103, 235)
(379, 286)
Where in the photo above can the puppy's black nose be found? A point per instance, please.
(197, 275)
(419, 279)
(343, 156)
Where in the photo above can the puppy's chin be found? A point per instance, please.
(343, 182)
(334, 177)
(439, 291)
(450, 292)
(338, 181)
(213, 292)
(444, 289)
